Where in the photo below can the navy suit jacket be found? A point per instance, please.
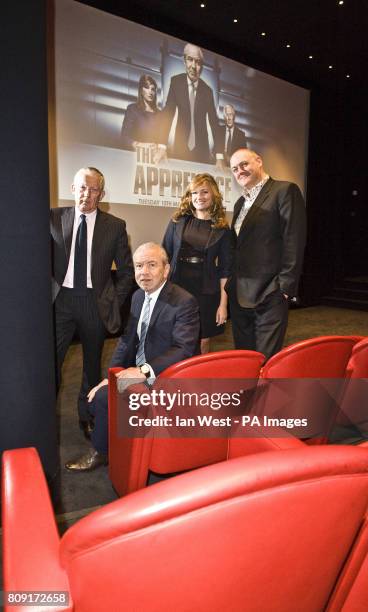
(109, 244)
(268, 252)
(173, 331)
(178, 98)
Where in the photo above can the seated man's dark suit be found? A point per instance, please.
(267, 263)
(172, 335)
(178, 98)
(99, 310)
(238, 141)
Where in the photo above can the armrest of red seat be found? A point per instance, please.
(128, 457)
(30, 536)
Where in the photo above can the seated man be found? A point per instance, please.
(163, 328)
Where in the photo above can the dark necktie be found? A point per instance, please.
(140, 357)
(80, 257)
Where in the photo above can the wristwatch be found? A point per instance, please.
(145, 369)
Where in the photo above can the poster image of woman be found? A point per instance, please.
(141, 125)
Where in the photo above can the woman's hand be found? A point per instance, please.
(221, 315)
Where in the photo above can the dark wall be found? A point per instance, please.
(322, 195)
(337, 217)
(27, 406)
(354, 182)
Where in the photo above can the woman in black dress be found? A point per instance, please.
(197, 241)
(141, 121)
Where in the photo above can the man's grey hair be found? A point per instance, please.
(153, 245)
(186, 52)
(229, 106)
(92, 170)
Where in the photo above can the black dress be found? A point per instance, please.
(190, 270)
(140, 125)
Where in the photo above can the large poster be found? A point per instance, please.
(150, 110)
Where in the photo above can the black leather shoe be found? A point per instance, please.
(87, 428)
(87, 462)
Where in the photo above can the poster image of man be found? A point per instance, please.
(193, 100)
(148, 107)
(232, 138)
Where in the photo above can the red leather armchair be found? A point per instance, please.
(354, 402)
(358, 362)
(321, 357)
(316, 358)
(219, 364)
(280, 531)
(131, 459)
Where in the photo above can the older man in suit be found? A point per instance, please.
(163, 329)
(85, 243)
(269, 232)
(232, 138)
(193, 99)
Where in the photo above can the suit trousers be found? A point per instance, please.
(261, 328)
(98, 408)
(79, 313)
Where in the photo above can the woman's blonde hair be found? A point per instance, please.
(217, 210)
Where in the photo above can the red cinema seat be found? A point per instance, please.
(321, 357)
(358, 363)
(131, 459)
(219, 364)
(354, 402)
(280, 531)
(324, 357)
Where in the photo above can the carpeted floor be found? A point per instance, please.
(80, 493)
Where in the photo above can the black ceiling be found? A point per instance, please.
(334, 34)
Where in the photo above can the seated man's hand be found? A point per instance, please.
(131, 373)
(129, 378)
(93, 391)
